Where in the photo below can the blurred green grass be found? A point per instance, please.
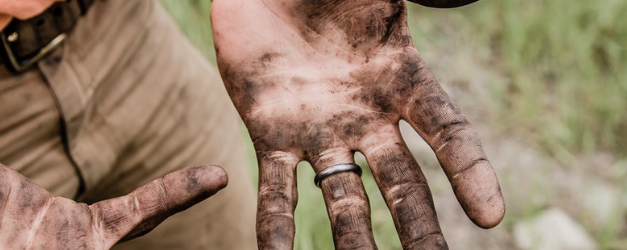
(566, 92)
(565, 61)
(568, 70)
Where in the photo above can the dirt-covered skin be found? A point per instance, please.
(31, 218)
(317, 80)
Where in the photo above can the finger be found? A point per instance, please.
(443, 3)
(441, 124)
(347, 206)
(277, 200)
(142, 210)
(405, 191)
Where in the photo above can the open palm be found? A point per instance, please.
(319, 80)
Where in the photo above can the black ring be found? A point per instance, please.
(334, 169)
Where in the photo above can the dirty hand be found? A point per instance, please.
(319, 80)
(31, 218)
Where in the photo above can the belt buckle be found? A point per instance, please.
(18, 65)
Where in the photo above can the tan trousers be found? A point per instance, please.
(126, 99)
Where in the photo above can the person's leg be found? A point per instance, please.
(187, 133)
(30, 133)
(150, 104)
(195, 125)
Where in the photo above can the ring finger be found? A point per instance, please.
(347, 204)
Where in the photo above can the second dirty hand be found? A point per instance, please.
(31, 218)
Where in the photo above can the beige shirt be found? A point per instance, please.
(22, 9)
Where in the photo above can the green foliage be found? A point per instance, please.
(192, 16)
(576, 54)
(567, 65)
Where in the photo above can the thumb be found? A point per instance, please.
(139, 212)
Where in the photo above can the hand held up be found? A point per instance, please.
(320, 80)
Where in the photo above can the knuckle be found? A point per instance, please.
(400, 191)
(349, 203)
(276, 198)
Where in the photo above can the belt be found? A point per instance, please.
(24, 42)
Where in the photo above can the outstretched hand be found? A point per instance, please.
(31, 218)
(319, 80)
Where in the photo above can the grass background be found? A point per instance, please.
(566, 88)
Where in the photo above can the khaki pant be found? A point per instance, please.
(126, 99)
